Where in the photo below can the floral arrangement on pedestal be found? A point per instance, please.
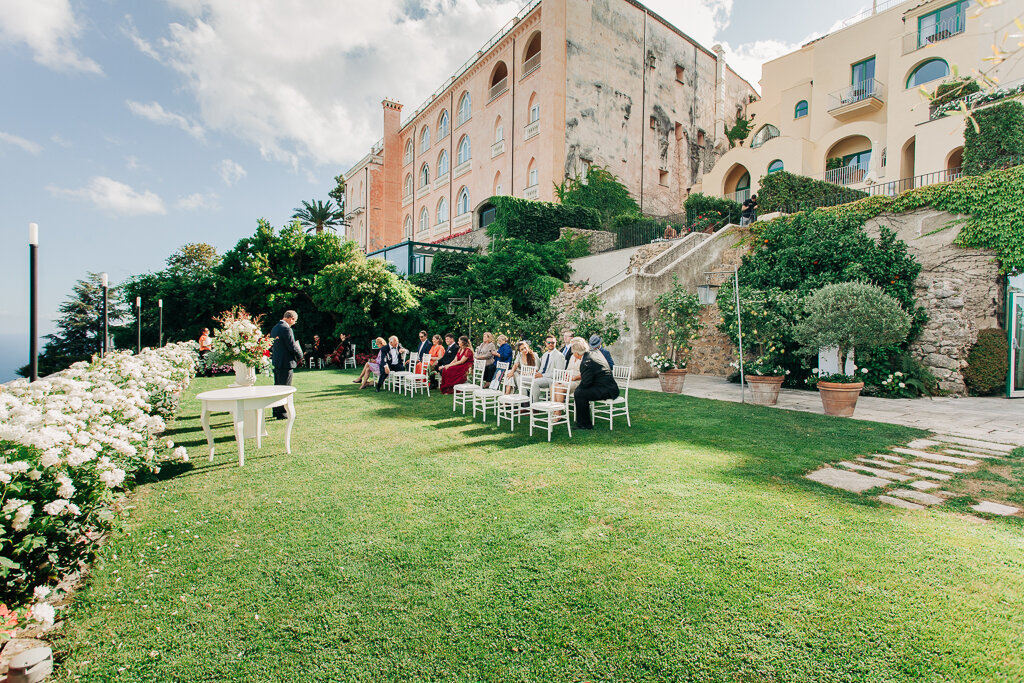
(673, 327)
(240, 342)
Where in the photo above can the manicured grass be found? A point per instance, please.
(400, 542)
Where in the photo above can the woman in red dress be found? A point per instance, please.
(456, 371)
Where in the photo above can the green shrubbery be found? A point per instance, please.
(994, 138)
(951, 91)
(987, 363)
(703, 210)
(588, 319)
(784, 191)
(632, 229)
(600, 191)
(539, 222)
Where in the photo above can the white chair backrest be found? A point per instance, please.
(526, 373)
(560, 383)
(478, 372)
(353, 350)
(414, 358)
(622, 374)
(501, 366)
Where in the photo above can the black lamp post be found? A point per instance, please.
(105, 286)
(160, 305)
(138, 318)
(33, 301)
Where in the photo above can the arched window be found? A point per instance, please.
(800, 110)
(408, 151)
(743, 183)
(775, 166)
(534, 108)
(442, 163)
(931, 70)
(464, 152)
(425, 139)
(424, 220)
(766, 133)
(531, 173)
(462, 206)
(407, 228)
(531, 56)
(499, 80)
(443, 125)
(499, 130)
(497, 183)
(442, 210)
(407, 185)
(465, 109)
(424, 175)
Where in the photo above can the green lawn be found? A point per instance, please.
(400, 542)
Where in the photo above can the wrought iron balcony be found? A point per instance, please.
(925, 36)
(861, 97)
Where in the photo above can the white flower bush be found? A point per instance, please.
(68, 444)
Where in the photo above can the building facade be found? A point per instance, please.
(565, 85)
(848, 107)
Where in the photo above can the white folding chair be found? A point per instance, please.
(350, 362)
(402, 376)
(550, 414)
(485, 397)
(513, 406)
(417, 380)
(609, 408)
(463, 393)
(396, 377)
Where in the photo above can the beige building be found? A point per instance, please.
(566, 84)
(854, 97)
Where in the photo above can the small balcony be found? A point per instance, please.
(861, 98)
(847, 175)
(497, 148)
(531, 192)
(925, 36)
(463, 169)
(531, 65)
(407, 200)
(497, 89)
(441, 180)
(531, 130)
(423, 191)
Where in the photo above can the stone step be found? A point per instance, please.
(878, 463)
(888, 456)
(995, 508)
(936, 466)
(975, 443)
(922, 485)
(927, 455)
(922, 443)
(884, 474)
(846, 480)
(957, 451)
(900, 503)
(929, 474)
(916, 496)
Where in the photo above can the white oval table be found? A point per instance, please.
(247, 406)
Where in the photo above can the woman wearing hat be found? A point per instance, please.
(595, 345)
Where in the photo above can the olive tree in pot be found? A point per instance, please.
(849, 315)
(673, 327)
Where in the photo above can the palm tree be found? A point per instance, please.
(317, 215)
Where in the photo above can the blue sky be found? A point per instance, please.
(128, 129)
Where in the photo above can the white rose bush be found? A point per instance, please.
(70, 444)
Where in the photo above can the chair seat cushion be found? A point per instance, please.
(487, 393)
(548, 405)
(514, 398)
(620, 399)
(466, 387)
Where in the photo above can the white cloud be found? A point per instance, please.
(746, 59)
(155, 112)
(198, 200)
(48, 28)
(58, 140)
(27, 145)
(702, 20)
(230, 171)
(114, 197)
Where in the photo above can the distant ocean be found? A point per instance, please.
(13, 354)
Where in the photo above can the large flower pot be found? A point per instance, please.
(839, 399)
(245, 376)
(764, 391)
(672, 380)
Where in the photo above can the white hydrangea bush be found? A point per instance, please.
(69, 444)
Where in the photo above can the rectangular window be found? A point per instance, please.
(680, 73)
(535, 113)
(663, 178)
(533, 177)
(863, 72)
(942, 23)
(679, 131)
(860, 160)
(585, 165)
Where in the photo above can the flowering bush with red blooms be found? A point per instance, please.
(364, 358)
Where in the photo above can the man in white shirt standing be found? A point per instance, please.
(551, 360)
(566, 349)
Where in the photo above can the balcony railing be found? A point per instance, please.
(531, 129)
(497, 148)
(498, 88)
(924, 37)
(846, 175)
(740, 195)
(867, 91)
(531, 192)
(531, 65)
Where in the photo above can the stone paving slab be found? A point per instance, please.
(846, 480)
(995, 508)
(935, 457)
(957, 451)
(916, 496)
(929, 474)
(878, 463)
(900, 503)
(922, 485)
(888, 456)
(923, 443)
(884, 474)
(976, 443)
(936, 466)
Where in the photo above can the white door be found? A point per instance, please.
(1015, 325)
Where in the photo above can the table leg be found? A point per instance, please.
(206, 430)
(239, 418)
(289, 409)
(259, 428)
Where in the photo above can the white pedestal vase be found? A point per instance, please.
(245, 376)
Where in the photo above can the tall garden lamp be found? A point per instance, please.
(138, 319)
(451, 309)
(105, 286)
(160, 305)
(707, 294)
(33, 301)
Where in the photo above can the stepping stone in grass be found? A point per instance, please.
(916, 496)
(878, 463)
(922, 443)
(900, 503)
(846, 480)
(975, 443)
(890, 458)
(957, 451)
(929, 474)
(995, 508)
(936, 457)
(884, 474)
(924, 485)
(936, 466)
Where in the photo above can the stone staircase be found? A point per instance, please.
(912, 476)
(713, 352)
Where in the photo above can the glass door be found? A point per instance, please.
(1015, 326)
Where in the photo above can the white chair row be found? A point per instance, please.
(350, 362)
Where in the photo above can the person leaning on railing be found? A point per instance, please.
(749, 214)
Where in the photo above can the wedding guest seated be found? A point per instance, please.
(551, 360)
(486, 351)
(596, 383)
(573, 367)
(315, 352)
(670, 232)
(596, 344)
(504, 354)
(390, 361)
(455, 372)
(372, 367)
(423, 352)
(445, 358)
(342, 351)
(525, 357)
(566, 348)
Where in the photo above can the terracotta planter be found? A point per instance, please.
(839, 399)
(245, 376)
(672, 380)
(764, 391)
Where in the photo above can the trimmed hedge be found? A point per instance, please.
(953, 90)
(998, 140)
(987, 363)
(788, 192)
(702, 205)
(539, 222)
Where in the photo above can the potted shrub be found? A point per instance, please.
(239, 342)
(673, 327)
(849, 316)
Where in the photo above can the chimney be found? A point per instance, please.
(719, 51)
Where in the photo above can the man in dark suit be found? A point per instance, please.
(285, 354)
(596, 344)
(423, 350)
(450, 351)
(390, 361)
(596, 383)
(566, 346)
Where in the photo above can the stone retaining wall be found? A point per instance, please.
(599, 240)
